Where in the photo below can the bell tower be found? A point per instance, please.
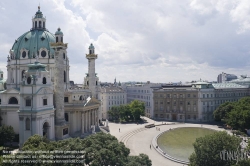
(91, 81)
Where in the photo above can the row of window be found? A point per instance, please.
(175, 102)
(174, 117)
(139, 97)
(175, 95)
(139, 91)
(224, 95)
(28, 102)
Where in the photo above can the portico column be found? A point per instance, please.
(83, 123)
(89, 121)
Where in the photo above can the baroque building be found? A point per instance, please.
(36, 97)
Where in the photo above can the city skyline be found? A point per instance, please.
(141, 41)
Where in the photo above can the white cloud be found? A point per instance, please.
(159, 41)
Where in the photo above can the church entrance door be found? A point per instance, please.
(174, 117)
(46, 130)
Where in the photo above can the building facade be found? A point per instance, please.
(144, 93)
(37, 97)
(196, 102)
(111, 96)
(224, 77)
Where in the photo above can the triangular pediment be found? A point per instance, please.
(11, 91)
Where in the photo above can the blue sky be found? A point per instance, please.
(157, 41)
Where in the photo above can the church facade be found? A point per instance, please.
(36, 97)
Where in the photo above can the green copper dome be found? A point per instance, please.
(59, 32)
(91, 46)
(33, 41)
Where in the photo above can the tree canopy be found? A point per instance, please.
(97, 149)
(127, 112)
(7, 134)
(207, 149)
(235, 114)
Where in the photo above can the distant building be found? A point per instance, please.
(223, 77)
(111, 96)
(196, 102)
(142, 92)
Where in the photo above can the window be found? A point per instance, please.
(66, 117)
(44, 101)
(203, 95)
(44, 80)
(43, 53)
(64, 56)
(194, 95)
(188, 103)
(188, 116)
(56, 39)
(180, 116)
(24, 54)
(188, 95)
(66, 99)
(28, 102)
(62, 39)
(29, 80)
(27, 124)
(13, 100)
(194, 117)
(207, 95)
(0, 101)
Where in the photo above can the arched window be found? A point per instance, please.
(56, 39)
(13, 100)
(29, 80)
(43, 53)
(27, 124)
(62, 39)
(87, 82)
(90, 51)
(64, 76)
(44, 80)
(63, 55)
(36, 24)
(96, 83)
(43, 24)
(24, 54)
(40, 24)
(80, 98)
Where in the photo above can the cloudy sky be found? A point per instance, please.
(141, 40)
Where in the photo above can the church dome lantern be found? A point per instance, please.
(59, 35)
(38, 21)
(91, 49)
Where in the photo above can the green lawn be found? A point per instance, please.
(179, 142)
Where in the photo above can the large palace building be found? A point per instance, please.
(36, 97)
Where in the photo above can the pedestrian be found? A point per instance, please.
(119, 129)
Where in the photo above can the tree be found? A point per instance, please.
(7, 134)
(97, 149)
(141, 160)
(207, 149)
(221, 111)
(137, 109)
(239, 118)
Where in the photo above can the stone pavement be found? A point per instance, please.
(139, 142)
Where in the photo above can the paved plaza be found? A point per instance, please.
(138, 139)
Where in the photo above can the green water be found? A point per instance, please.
(178, 143)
